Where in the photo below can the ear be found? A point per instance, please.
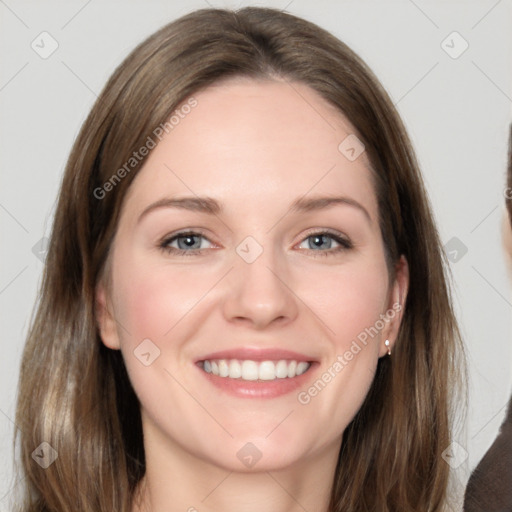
(105, 319)
(395, 307)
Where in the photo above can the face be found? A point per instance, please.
(249, 289)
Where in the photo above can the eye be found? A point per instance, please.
(187, 243)
(321, 242)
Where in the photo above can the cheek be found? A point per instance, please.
(350, 308)
(348, 299)
(152, 299)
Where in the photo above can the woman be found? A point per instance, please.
(195, 347)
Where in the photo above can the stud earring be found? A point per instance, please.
(387, 345)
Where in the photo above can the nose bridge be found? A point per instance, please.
(258, 265)
(257, 290)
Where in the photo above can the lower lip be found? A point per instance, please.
(259, 388)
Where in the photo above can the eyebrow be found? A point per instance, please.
(211, 206)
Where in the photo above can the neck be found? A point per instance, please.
(176, 480)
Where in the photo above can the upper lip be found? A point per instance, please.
(257, 354)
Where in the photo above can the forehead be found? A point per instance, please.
(247, 140)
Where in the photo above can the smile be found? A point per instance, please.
(250, 370)
(257, 372)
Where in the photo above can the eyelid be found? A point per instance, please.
(327, 231)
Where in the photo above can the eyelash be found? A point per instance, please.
(344, 243)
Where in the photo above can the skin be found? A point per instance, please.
(254, 146)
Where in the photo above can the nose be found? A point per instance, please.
(258, 293)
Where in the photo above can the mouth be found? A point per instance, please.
(250, 370)
(257, 373)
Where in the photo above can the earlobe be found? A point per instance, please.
(396, 306)
(105, 319)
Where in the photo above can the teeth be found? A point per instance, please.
(292, 368)
(301, 367)
(223, 368)
(281, 370)
(235, 370)
(253, 370)
(267, 370)
(249, 370)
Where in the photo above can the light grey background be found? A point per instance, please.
(457, 111)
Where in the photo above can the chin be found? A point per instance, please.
(251, 457)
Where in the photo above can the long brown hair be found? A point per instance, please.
(75, 394)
